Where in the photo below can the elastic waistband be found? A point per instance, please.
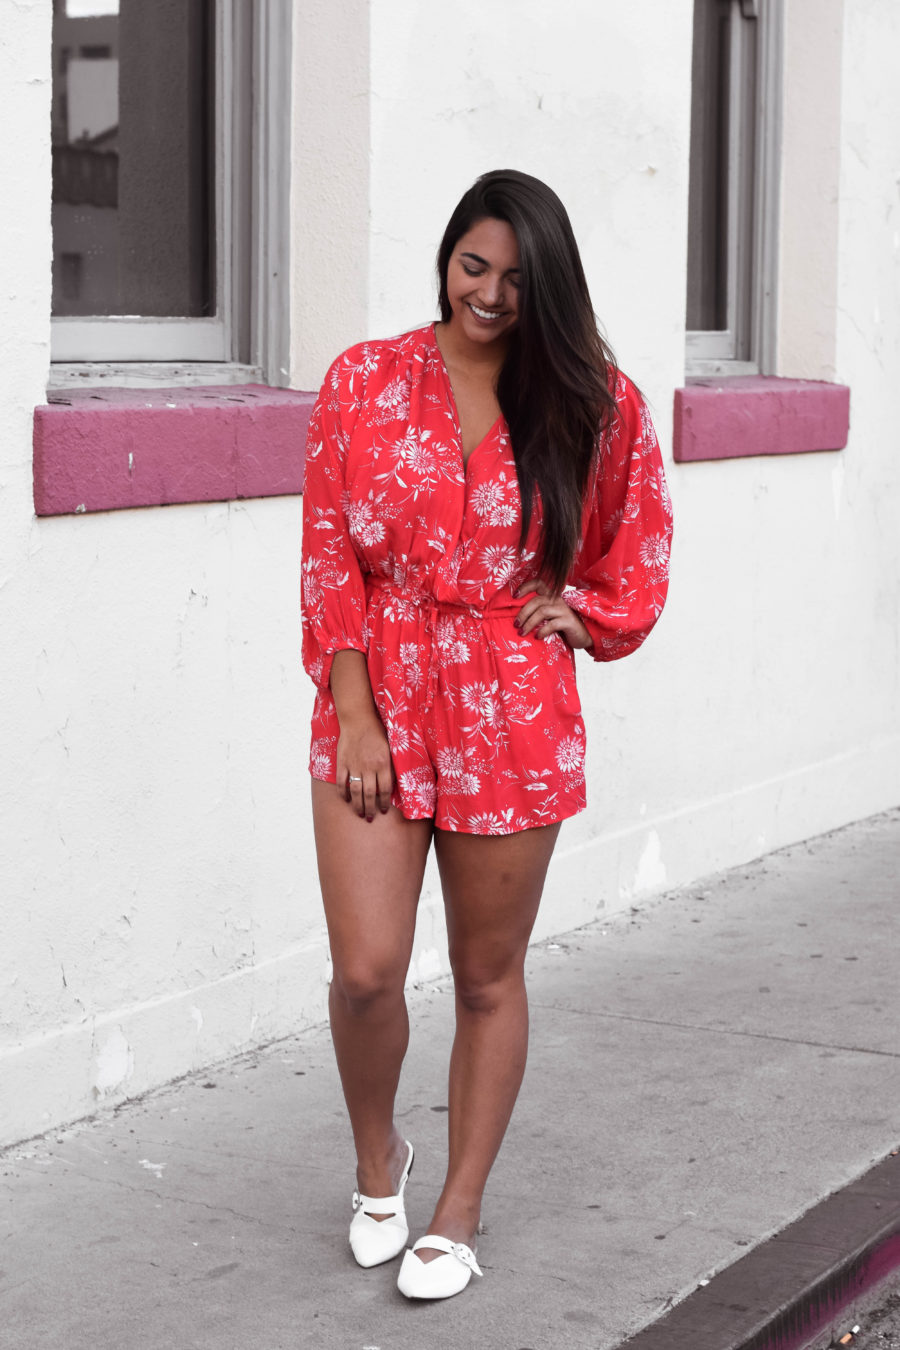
(430, 604)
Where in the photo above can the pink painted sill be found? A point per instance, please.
(759, 415)
(105, 449)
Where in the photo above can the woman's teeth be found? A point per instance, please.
(483, 313)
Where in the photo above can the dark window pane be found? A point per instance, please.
(133, 158)
(707, 298)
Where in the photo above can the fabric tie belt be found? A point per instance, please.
(428, 609)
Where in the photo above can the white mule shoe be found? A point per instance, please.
(441, 1278)
(373, 1241)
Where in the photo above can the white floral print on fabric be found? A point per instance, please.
(412, 557)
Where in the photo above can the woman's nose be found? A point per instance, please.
(492, 291)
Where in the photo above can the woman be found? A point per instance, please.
(483, 496)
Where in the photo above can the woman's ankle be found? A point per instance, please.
(457, 1219)
(378, 1170)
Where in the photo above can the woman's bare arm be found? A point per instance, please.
(365, 775)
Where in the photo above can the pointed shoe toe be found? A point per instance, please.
(374, 1241)
(441, 1278)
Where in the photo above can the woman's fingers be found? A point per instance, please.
(368, 791)
(540, 597)
(361, 788)
(355, 792)
(537, 611)
(526, 615)
(351, 785)
(365, 772)
(543, 615)
(384, 789)
(542, 609)
(552, 624)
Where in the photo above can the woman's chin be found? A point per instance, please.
(483, 331)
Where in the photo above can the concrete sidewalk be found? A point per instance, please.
(700, 1075)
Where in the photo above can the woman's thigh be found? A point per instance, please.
(492, 887)
(371, 876)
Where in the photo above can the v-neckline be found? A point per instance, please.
(488, 435)
(466, 458)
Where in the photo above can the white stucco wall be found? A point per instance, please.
(808, 263)
(866, 486)
(157, 875)
(329, 183)
(160, 906)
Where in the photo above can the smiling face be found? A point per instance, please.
(483, 282)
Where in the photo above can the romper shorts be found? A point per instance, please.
(484, 725)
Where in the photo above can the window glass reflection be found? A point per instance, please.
(132, 158)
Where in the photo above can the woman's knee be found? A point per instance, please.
(362, 985)
(484, 988)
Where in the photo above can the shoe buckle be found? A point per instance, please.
(466, 1255)
(356, 1201)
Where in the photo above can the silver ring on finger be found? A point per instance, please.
(352, 779)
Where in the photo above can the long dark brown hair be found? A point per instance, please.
(555, 386)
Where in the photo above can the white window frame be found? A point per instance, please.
(747, 344)
(248, 339)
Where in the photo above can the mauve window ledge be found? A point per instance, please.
(738, 416)
(98, 449)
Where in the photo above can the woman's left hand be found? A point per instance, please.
(545, 613)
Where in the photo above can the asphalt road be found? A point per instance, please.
(880, 1330)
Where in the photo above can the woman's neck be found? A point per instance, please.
(481, 361)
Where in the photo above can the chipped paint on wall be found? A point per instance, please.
(651, 872)
(114, 1064)
(425, 966)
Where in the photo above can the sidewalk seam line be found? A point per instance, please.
(717, 1031)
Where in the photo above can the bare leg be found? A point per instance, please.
(492, 889)
(371, 875)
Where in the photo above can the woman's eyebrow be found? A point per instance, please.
(484, 262)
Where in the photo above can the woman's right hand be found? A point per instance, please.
(365, 774)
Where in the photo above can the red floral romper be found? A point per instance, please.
(412, 557)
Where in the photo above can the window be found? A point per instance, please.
(170, 136)
(732, 206)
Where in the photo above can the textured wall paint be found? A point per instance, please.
(329, 183)
(157, 855)
(590, 96)
(810, 180)
(867, 493)
(160, 900)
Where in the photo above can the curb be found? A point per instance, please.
(800, 1288)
